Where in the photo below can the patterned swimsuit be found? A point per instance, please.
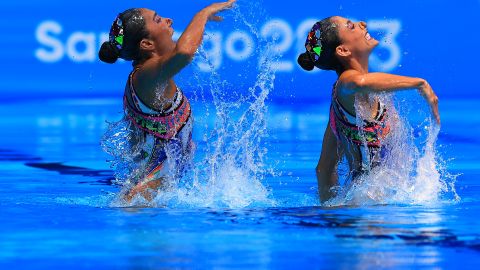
(165, 138)
(367, 137)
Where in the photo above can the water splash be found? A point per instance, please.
(232, 171)
(412, 171)
(117, 142)
(230, 168)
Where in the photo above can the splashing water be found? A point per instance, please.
(117, 143)
(232, 169)
(410, 173)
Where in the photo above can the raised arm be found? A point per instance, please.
(326, 170)
(168, 65)
(357, 82)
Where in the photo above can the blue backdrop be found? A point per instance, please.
(49, 48)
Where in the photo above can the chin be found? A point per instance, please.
(373, 45)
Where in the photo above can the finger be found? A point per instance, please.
(437, 118)
(230, 3)
(437, 113)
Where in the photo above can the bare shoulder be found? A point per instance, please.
(346, 82)
(347, 77)
(147, 75)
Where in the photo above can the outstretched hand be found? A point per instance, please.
(218, 7)
(432, 100)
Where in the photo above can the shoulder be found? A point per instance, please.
(348, 76)
(147, 75)
(347, 81)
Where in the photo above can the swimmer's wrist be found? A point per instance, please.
(422, 84)
(214, 8)
(423, 87)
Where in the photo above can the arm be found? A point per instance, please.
(326, 170)
(384, 82)
(168, 65)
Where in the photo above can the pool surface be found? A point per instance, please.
(56, 201)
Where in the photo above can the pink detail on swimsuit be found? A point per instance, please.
(333, 125)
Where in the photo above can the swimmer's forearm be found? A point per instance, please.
(326, 180)
(185, 48)
(191, 38)
(383, 82)
(326, 170)
(170, 64)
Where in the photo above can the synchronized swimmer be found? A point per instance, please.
(160, 115)
(338, 44)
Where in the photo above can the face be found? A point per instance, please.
(354, 36)
(159, 28)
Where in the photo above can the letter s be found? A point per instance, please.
(56, 51)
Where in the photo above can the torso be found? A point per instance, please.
(360, 148)
(163, 135)
(368, 104)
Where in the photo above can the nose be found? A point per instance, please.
(363, 24)
(169, 21)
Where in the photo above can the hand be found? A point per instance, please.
(214, 8)
(432, 100)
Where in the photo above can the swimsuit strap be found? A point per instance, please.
(142, 106)
(341, 111)
(136, 101)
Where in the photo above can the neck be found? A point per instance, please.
(360, 64)
(166, 48)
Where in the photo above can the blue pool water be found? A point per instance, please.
(57, 193)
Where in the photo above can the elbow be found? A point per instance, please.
(422, 83)
(185, 52)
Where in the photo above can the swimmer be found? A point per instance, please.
(159, 113)
(344, 46)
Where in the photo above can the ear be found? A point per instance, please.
(147, 44)
(342, 51)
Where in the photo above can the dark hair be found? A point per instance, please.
(134, 31)
(327, 60)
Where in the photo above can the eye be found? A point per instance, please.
(350, 25)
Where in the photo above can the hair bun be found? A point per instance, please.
(108, 53)
(305, 61)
